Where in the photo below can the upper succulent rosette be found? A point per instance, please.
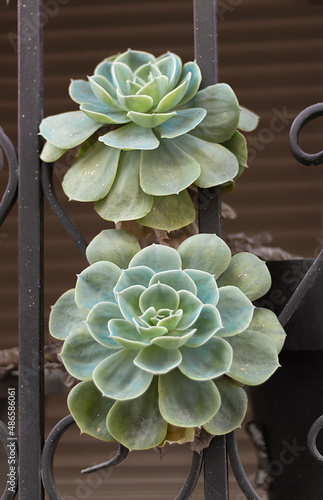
(163, 339)
(163, 135)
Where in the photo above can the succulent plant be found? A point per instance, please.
(163, 339)
(157, 135)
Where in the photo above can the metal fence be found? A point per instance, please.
(35, 183)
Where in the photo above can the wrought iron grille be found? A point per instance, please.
(35, 183)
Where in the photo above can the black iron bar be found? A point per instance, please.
(30, 239)
(206, 56)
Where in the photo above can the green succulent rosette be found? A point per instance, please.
(163, 339)
(146, 134)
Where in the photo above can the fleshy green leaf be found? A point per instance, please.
(97, 323)
(158, 258)
(90, 409)
(80, 91)
(125, 200)
(150, 332)
(174, 340)
(68, 130)
(92, 174)
(131, 136)
(139, 275)
(159, 296)
(218, 164)
(232, 410)
(100, 87)
(173, 98)
(248, 120)
(117, 377)
(207, 361)
(156, 88)
(116, 246)
(195, 81)
(170, 65)
(128, 301)
(186, 402)
(51, 153)
(191, 307)
(150, 120)
(156, 360)
(206, 252)
(65, 316)
(137, 424)
(184, 121)
(135, 58)
(235, 309)
(223, 112)
(120, 74)
(247, 272)
(103, 114)
(177, 279)
(126, 334)
(254, 358)
(147, 71)
(140, 103)
(171, 321)
(95, 284)
(207, 324)
(104, 69)
(266, 322)
(170, 212)
(207, 289)
(167, 170)
(82, 353)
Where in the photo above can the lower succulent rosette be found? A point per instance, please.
(164, 339)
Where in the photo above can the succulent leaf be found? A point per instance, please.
(65, 316)
(97, 323)
(114, 246)
(236, 321)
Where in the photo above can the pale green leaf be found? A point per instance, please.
(232, 410)
(248, 120)
(172, 99)
(97, 323)
(120, 74)
(235, 309)
(254, 358)
(167, 170)
(65, 316)
(207, 289)
(265, 322)
(150, 120)
(159, 296)
(140, 103)
(113, 245)
(184, 121)
(249, 273)
(135, 58)
(129, 137)
(117, 377)
(158, 361)
(139, 275)
(186, 402)
(170, 65)
(170, 212)
(90, 409)
(128, 301)
(68, 130)
(95, 284)
(156, 88)
(80, 91)
(195, 81)
(191, 307)
(51, 153)
(100, 87)
(174, 340)
(125, 200)
(177, 279)
(206, 252)
(206, 326)
(157, 257)
(126, 334)
(137, 424)
(104, 114)
(207, 361)
(91, 176)
(82, 353)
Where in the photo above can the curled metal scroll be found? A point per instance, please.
(11, 192)
(9, 494)
(311, 439)
(51, 198)
(300, 121)
(49, 450)
(238, 469)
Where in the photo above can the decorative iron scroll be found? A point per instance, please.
(307, 115)
(8, 494)
(10, 195)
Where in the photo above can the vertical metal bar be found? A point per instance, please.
(209, 201)
(30, 238)
(209, 213)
